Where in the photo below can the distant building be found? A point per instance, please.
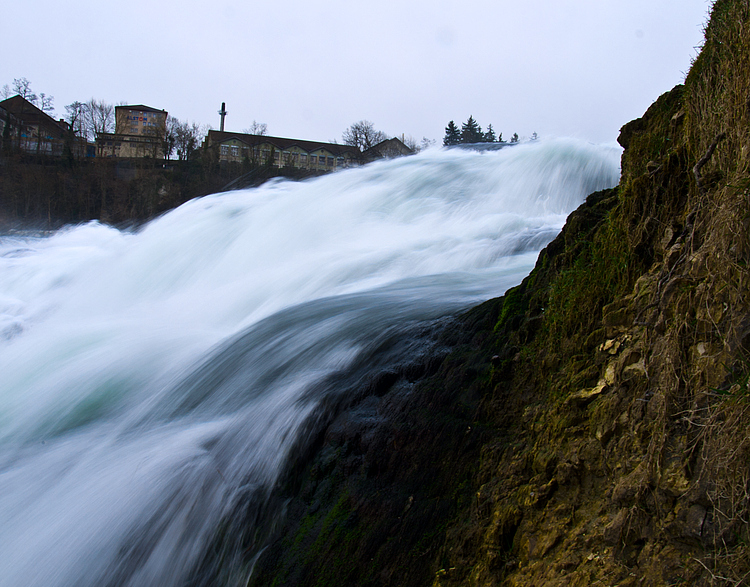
(27, 128)
(7, 120)
(282, 152)
(387, 149)
(139, 132)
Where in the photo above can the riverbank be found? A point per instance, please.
(46, 193)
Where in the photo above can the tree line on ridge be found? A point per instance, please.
(471, 133)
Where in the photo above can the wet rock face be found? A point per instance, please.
(371, 504)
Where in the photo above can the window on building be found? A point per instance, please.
(303, 159)
(224, 150)
(330, 162)
(235, 151)
(339, 161)
(313, 159)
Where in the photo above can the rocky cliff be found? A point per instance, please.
(592, 426)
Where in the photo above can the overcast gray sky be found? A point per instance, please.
(309, 69)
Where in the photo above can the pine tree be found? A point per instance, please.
(489, 136)
(514, 138)
(452, 135)
(471, 132)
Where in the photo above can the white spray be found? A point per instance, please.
(113, 469)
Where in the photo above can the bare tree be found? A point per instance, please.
(99, 117)
(170, 136)
(183, 138)
(426, 143)
(75, 142)
(75, 118)
(22, 87)
(46, 103)
(188, 139)
(363, 135)
(411, 142)
(257, 128)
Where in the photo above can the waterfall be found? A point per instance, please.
(154, 379)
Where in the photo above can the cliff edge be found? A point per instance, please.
(628, 374)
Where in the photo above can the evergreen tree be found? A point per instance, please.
(452, 135)
(471, 132)
(489, 136)
(514, 138)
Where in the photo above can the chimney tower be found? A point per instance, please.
(223, 113)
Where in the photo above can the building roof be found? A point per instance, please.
(27, 113)
(141, 108)
(125, 136)
(216, 137)
(388, 148)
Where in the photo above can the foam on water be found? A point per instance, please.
(149, 378)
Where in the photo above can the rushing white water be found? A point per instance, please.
(151, 380)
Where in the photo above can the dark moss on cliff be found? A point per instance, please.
(630, 411)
